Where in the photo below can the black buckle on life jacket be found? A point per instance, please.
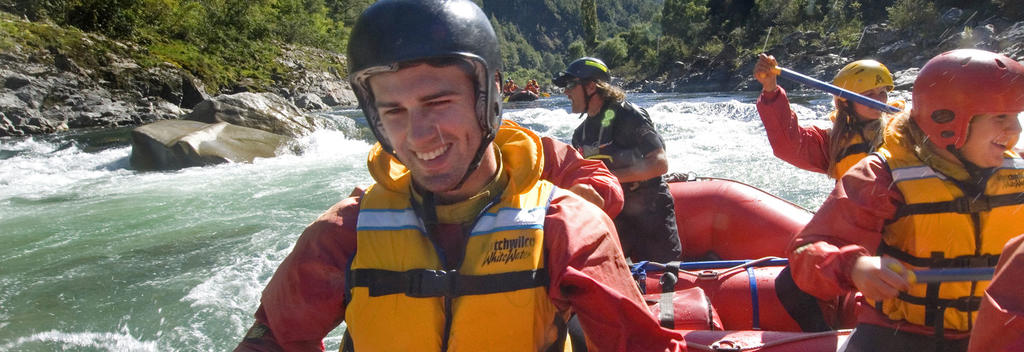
(965, 303)
(975, 261)
(431, 283)
(969, 205)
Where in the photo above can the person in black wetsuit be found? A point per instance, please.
(622, 135)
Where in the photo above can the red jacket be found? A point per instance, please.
(564, 166)
(804, 147)
(847, 226)
(305, 299)
(1000, 325)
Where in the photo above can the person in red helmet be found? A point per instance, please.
(945, 191)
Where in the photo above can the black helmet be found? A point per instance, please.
(585, 68)
(391, 32)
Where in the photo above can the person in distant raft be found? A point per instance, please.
(622, 135)
(856, 129)
(532, 87)
(945, 191)
(459, 245)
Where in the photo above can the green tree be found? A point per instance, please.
(576, 50)
(685, 19)
(588, 18)
(613, 51)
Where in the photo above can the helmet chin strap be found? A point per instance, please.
(586, 100)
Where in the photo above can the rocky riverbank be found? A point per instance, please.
(902, 51)
(54, 79)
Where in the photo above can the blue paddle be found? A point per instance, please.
(832, 89)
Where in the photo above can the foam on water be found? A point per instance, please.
(80, 341)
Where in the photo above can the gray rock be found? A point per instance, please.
(15, 81)
(900, 51)
(951, 16)
(1011, 41)
(904, 80)
(341, 95)
(873, 36)
(263, 111)
(175, 144)
(309, 102)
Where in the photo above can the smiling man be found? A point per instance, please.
(459, 245)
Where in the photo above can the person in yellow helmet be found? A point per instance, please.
(856, 129)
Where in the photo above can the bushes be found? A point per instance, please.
(220, 41)
(908, 14)
(613, 51)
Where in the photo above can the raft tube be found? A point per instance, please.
(726, 219)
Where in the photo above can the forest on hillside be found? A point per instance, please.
(222, 41)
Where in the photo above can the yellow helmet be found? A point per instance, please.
(863, 75)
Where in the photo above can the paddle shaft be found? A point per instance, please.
(834, 90)
(949, 275)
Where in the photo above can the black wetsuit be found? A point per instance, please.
(647, 223)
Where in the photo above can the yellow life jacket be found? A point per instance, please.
(856, 148)
(401, 298)
(939, 227)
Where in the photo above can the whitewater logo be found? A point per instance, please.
(507, 250)
(1014, 180)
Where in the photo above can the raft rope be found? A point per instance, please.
(729, 345)
(715, 274)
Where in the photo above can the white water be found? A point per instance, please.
(98, 257)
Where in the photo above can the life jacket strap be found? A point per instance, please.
(422, 283)
(965, 261)
(859, 148)
(962, 205)
(963, 304)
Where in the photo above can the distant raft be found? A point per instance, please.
(523, 95)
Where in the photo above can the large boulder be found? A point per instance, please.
(175, 144)
(263, 111)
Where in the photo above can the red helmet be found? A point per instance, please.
(957, 85)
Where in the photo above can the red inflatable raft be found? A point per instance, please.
(735, 303)
(726, 219)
